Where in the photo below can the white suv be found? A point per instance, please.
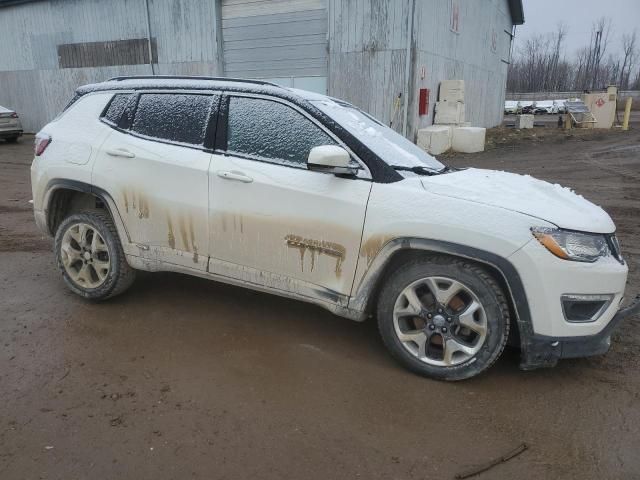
(306, 196)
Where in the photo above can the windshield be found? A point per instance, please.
(389, 145)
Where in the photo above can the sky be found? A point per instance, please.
(541, 16)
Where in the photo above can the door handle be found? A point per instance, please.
(120, 152)
(234, 175)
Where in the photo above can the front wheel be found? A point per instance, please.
(90, 256)
(443, 318)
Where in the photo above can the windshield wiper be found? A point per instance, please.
(420, 170)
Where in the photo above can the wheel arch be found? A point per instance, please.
(399, 250)
(58, 190)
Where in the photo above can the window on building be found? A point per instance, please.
(180, 118)
(268, 130)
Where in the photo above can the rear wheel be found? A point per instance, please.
(12, 139)
(443, 318)
(90, 256)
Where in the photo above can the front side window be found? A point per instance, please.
(272, 131)
(176, 117)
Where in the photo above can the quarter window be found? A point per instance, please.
(116, 107)
(272, 131)
(180, 118)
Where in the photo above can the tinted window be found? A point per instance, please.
(175, 117)
(116, 107)
(273, 131)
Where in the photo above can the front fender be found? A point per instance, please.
(516, 291)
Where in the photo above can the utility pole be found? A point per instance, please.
(596, 58)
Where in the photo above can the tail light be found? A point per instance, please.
(41, 143)
(14, 115)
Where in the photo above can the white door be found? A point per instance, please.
(274, 222)
(156, 171)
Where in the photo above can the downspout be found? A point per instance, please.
(153, 71)
(217, 15)
(407, 66)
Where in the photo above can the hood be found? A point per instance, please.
(524, 194)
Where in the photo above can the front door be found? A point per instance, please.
(274, 222)
(156, 171)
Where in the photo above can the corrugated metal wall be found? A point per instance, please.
(31, 78)
(367, 45)
(282, 40)
(358, 45)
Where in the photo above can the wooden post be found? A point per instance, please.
(627, 114)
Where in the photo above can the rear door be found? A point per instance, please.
(273, 221)
(155, 166)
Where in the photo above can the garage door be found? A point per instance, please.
(280, 40)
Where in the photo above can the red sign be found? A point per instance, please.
(600, 102)
(423, 102)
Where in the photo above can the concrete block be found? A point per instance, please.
(449, 113)
(451, 91)
(524, 121)
(435, 139)
(468, 139)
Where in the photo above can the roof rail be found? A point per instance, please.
(191, 77)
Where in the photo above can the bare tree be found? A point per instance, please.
(540, 65)
(629, 50)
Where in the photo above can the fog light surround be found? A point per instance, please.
(584, 308)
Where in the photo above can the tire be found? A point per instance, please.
(450, 341)
(95, 270)
(11, 139)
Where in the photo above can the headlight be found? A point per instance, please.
(577, 246)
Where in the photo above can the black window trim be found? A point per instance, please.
(124, 124)
(221, 136)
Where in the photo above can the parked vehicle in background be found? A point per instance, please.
(511, 107)
(527, 106)
(266, 187)
(10, 126)
(546, 106)
(561, 106)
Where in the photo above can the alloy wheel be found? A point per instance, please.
(85, 255)
(440, 321)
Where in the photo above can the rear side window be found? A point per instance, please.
(272, 131)
(180, 118)
(115, 109)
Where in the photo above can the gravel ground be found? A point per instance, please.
(185, 378)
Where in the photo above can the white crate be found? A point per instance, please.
(435, 139)
(468, 139)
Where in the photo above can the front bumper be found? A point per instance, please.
(545, 351)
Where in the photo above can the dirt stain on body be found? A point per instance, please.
(372, 246)
(192, 236)
(317, 247)
(171, 238)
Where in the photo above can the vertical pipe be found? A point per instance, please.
(217, 14)
(627, 114)
(407, 66)
(153, 71)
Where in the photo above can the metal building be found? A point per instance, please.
(378, 54)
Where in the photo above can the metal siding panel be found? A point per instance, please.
(275, 39)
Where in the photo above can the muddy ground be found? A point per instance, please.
(185, 378)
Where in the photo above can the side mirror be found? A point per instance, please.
(330, 159)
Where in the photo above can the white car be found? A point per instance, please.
(306, 196)
(511, 107)
(546, 106)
